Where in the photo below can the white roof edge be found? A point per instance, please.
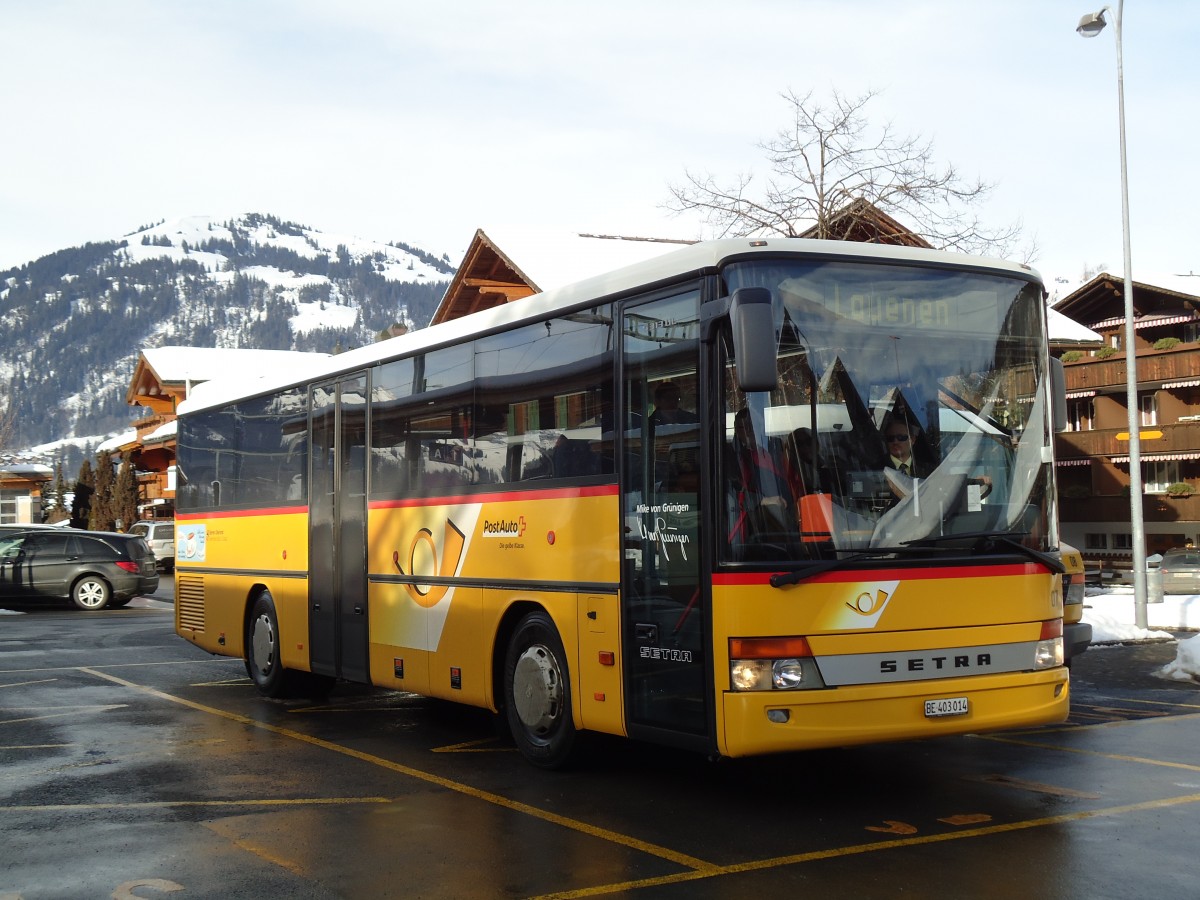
(672, 264)
(178, 364)
(1061, 328)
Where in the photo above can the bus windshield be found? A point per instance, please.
(911, 407)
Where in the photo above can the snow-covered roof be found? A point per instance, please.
(1065, 330)
(551, 259)
(27, 470)
(162, 432)
(183, 364)
(116, 443)
(1060, 286)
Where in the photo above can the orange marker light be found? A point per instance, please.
(768, 648)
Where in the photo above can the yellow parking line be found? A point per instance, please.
(798, 858)
(1152, 702)
(27, 683)
(604, 834)
(60, 715)
(1120, 757)
(486, 745)
(255, 848)
(179, 804)
(1114, 723)
(128, 665)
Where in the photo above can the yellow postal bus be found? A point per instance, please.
(752, 496)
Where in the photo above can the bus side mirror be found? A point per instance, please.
(1058, 394)
(753, 324)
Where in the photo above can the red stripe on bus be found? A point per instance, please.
(239, 513)
(734, 579)
(604, 490)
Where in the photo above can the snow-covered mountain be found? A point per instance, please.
(73, 322)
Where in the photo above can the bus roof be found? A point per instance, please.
(673, 265)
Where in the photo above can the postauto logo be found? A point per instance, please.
(504, 528)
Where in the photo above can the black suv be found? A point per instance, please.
(94, 569)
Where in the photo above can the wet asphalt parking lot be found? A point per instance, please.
(134, 765)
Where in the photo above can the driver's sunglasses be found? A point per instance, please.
(897, 438)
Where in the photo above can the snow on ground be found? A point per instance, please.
(1112, 615)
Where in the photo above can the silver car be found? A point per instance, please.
(1181, 571)
(160, 535)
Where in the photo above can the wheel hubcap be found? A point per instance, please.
(91, 594)
(537, 689)
(262, 645)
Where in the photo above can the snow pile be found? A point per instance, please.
(1112, 616)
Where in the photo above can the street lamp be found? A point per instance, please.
(1090, 26)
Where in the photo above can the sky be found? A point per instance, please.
(420, 122)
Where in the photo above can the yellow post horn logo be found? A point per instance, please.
(453, 542)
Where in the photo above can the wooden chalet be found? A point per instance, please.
(1093, 455)
(162, 378)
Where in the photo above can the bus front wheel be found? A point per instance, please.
(262, 648)
(538, 693)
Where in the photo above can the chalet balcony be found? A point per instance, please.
(153, 486)
(1115, 508)
(1154, 367)
(151, 423)
(1178, 437)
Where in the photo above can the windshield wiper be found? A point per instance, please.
(782, 579)
(1007, 539)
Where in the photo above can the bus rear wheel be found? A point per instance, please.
(538, 693)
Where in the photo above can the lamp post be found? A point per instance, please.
(1090, 26)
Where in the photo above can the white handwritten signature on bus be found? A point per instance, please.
(666, 535)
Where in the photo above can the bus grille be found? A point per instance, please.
(189, 602)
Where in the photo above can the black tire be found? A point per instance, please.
(91, 593)
(537, 693)
(262, 658)
(262, 649)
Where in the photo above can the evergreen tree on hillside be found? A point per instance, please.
(59, 511)
(85, 488)
(100, 516)
(125, 495)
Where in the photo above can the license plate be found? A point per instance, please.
(947, 706)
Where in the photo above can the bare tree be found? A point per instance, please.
(832, 162)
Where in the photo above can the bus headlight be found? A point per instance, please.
(1049, 653)
(787, 674)
(749, 675)
(772, 664)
